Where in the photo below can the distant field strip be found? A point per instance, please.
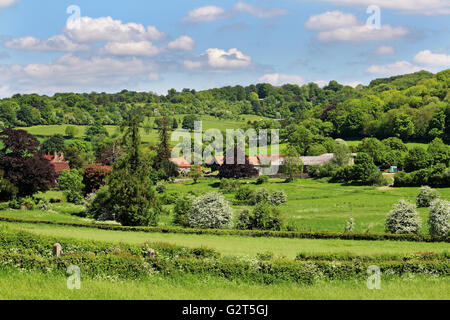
(236, 233)
(238, 245)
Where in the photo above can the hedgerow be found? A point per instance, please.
(267, 272)
(246, 233)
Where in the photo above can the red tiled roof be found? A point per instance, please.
(181, 162)
(60, 166)
(217, 159)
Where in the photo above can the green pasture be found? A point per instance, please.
(37, 286)
(317, 205)
(237, 245)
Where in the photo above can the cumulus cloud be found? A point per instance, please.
(218, 59)
(55, 43)
(278, 79)
(428, 58)
(424, 60)
(259, 12)
(337, 26)
(425, 7)
(106, 29)
(138, 48)
(382, 50)
(397, 68)
(363, 33)
(183, 43)
(7, 3)
(213, 13)
(331, 20)
(205, 14)
(75, 73)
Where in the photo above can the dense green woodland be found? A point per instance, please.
(410, 107)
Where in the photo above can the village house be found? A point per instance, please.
(58, 162)
(184, 167)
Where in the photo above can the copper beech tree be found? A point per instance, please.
(23, 164)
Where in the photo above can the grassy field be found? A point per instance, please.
(237, 245)
(313, 205)
(37, 286)
(316, 205)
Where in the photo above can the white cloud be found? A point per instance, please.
(363, 33)
(154, 76)
(138, 48)
(321, 83)
(213, 13)
(72, 73)
(425, 7)
(429, 58)
(259, 12)
(382, 50)
(105, 29)
(55, 43)
(397, 68)
(278, 79)
(205, 14)
(331, 20)
(218, 59)
(7, 3)
(5, 92)
(183, 43)
(352, 84)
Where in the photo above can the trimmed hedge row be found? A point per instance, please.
(419, 256)
(119, 267)
(42, 246)
(246, 233)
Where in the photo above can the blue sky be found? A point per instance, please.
(157, 45)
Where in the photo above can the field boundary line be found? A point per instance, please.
(242, 233)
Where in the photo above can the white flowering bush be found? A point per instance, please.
(210, 211)
(426, 196)
(403, 219)
(277, 198)
(349, 225)
(439, 218)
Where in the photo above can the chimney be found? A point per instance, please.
(61, 157)
(55, 156)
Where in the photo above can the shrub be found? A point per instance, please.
(277, 198)
(403, 219)
(262, 180)
(377, 179)
(74, 197)
(260, 195)
(27, 203)
(343, 174)
(244, 193)
(229, 185)
(243, 220)
(439, 221)
(98, 206)
(182, 209)
(160, 188)
(426, 196)
(265, 217)
(7, 190)
(210, 211)
(168, 198)
(44, 205)
(349, 225)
